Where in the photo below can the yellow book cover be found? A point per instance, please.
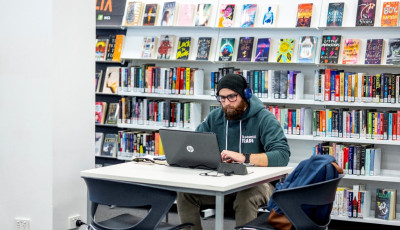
(118, 47)
(390, 12)
(341, 98)
(187, 86)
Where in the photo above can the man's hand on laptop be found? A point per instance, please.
(231, 156)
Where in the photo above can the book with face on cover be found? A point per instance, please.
(185, 15)
(165, 46)
(203, 50)
(110, 145)
(248, 15)
(111, 80)
(307, 47)
(226, 49)
(350, 51)
(330, 48)
(183, 50)
(203, 15)
(393, 56)
(226, 15)
(149, 47)
(285, 51)
(245, 49)
(168, 14)
(304, 13)
(373, 53)
(133, 13)
(262, 50)
(268, 15)
(366, 13)
(335, 14)
(390, 13)
(150, 14)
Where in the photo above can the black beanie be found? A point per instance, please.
(233, 82)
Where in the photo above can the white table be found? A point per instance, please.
(188, 180)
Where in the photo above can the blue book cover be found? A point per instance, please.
(262, 50)
(335, 14)
(333, 74)
(351, 159)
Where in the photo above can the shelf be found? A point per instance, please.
(107, 125)
(166, 61)
(357, 141)
(299, 137)
(266, 28)
(108, 62)
(359, 28)
(370, 220)
(107, 94)
(109, 27)
(391, 179)
(150, 127)
(358, 104)
(287, 101)
(171, 96)
(361, 65)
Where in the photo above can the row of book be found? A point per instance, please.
(354, 159)
(293, 121)
(106, 113)
(358, 124)
(109, 48)
(355, 202)
(341, 86)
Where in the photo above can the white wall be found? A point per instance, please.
(46, 110)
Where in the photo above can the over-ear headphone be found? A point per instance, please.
(247, 92)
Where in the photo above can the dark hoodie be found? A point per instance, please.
(257, 131)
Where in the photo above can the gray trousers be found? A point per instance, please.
(245, 204)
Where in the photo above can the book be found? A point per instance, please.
(373, 51)
(110, 145)
(262, 50)
(304, 13)
(111, 80)
(100, 112)
(110, 13)
(335, 14)
(330, 48)
(393, 56)
(185, 15)
(390, 12)
(165, 46)
(226, 13)
(98, 78)
(307, 47)
(226, 49)
(245, 49)
(117, 50)
(203, 49)
(99, 138)
(203, 15)
(101, 49)
(168, 14)
(248, 15)
(149, 47)
(112, 113)
(384, 199)
(350, 51)
(183, 50)
(133, 13)
(285, 51)
(366, 13)
(150, 14)
(268, 15)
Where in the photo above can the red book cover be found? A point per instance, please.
(155, 111)
(182, 84)
(178, 80)
(348, 128)
(381, 126)
(346, 159)
(398, 125)
(290, 118)
(327, 84)
(337, 87)
(394, 126)
(323, 122)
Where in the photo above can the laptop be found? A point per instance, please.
(190, 149)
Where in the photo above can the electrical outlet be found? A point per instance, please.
(72, 221)
(22, 224)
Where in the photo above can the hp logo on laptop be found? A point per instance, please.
(190, 148)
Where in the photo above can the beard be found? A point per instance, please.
(237, 111)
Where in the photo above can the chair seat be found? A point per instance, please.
(261, 223)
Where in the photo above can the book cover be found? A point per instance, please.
(245, 49)
(168, 14)
(99, 138)
(100, 112)
(133, 11)
(335, 14)
(110, 145)
(111, 80)
(393, 56)
(285, 51)
(382, 208)
(165, 46)
(111, 47)
(203, 15)
(350, 51)
(203, 50)
(226, 14)
(98, 79)
(304, 13)
(112, 113)
(307, 47)
(110, 13)
(183, 50)
(119, 40)
(226, 49)
(390, 12)
(248, 15)
(185, 15)
(262, 50)
(150, 14)
(330, 48)
(101, 49)
(268, 15)
(366, 13)
(373, 53)
(149, 47)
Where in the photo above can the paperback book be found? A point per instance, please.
(101, 49)
(112, 114)
(203, 50)
(393, 56)
(168, 14)
(330, 48)
(351, 48)
(150, 14)
(268, 15)
(366, 13)
(390, 13)
(285, 51)
(304, 13)
(133, 11)
(385, 204)
(373, 53)
(165, 46)
(110, 145)
(226, 13)
(203, 15)
(248, 15)
(185, 15)
(100, 110)
(111, 80)
(226, 49)
(99, 138)
(262, 50)
(335, 14)
(183, 50)
(149, 47)
(245, 49)
(307, 47)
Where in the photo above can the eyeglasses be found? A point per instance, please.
(230, 97)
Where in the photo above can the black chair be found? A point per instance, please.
(130, 195)
(291, 200)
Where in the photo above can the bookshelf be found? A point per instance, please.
(301, 145)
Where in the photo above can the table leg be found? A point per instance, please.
(219, 211)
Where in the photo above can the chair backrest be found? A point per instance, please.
(292, 200)
(130, 195)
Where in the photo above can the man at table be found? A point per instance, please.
(246, 133)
